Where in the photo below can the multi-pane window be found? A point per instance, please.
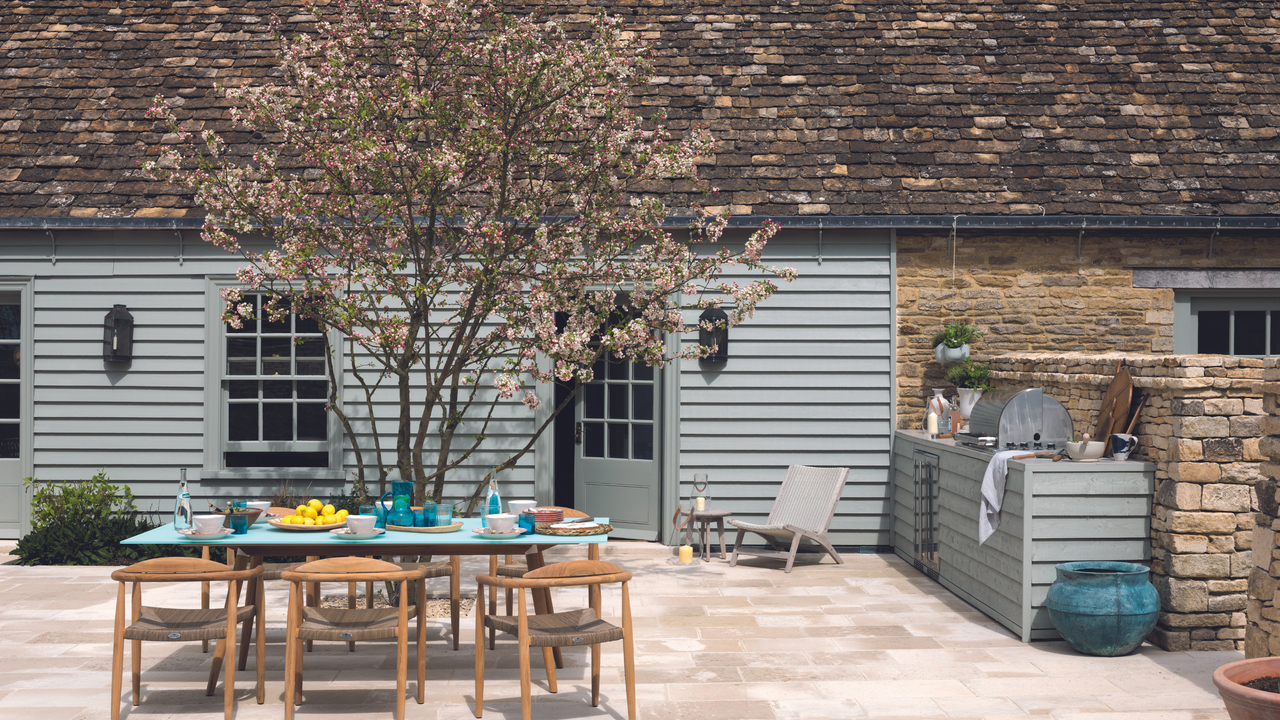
(10, 365)
(275, 387)
(1242, 326)
(617, 412)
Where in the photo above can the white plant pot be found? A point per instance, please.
(952, 355)
(937, 352)
(968, 398)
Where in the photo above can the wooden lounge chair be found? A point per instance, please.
(314, 623)
(574, 628)
(180, 625)
(803, 510)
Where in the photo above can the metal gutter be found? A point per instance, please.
(883, 222)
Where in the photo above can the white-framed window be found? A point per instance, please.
(1242, 324)
(266, 387)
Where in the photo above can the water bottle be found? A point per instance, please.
(493, 502)
(182, 505)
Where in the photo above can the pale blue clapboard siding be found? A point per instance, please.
(808, 382)
(1051, 513)
(144, 424)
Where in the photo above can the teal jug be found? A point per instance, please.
(401, 515)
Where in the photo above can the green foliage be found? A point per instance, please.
(55, 503)
(970, 374)
(95, 542)
(956, 334)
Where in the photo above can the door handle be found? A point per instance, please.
(577, 433)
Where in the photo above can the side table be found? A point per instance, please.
(703, 519)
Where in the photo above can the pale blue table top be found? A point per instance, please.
(261, 533)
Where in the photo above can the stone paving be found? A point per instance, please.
(871, 638)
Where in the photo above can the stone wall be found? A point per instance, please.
(1031, 294)
(1262, 632)
(1202, 427)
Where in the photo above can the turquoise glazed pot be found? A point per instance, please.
(1103, 608)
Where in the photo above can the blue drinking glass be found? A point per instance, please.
(239, 523)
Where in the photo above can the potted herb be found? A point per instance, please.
(952, 343)
(971, 380)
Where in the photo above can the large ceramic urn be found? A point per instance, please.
(1103, 608)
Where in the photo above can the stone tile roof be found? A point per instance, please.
(847, 108)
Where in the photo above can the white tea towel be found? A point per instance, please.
(993, 493)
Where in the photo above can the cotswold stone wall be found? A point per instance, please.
(1030, 293)
(1202, 427)
(1262, 632)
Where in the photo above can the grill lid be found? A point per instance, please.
(1018, 418)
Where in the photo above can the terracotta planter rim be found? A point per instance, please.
(1248, 694)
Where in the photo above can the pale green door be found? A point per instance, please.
(11, 419)
(616, 465)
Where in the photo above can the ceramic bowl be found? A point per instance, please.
(205, 524)
(501, 522)
(1078, 451)
(361, 524)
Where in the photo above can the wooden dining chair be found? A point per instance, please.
(574, 628)
(351, 624)
(182, 625)
(517, 566)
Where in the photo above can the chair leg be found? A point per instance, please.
(795, 547)
(261, 612)
(229, 685)
(204, 596)
(493, 600)
(822, 540)
(479, 650)
(526, 693)
(595, 675)
(733, 559)
(250, 598)
(628, 654)
(421, 656)
(215, 667)
(351, 605)
(297, 650)
(455, 597)
(720, 530)
(402, 649)
(549, 660)
(542, 599)
(313, 596)
(135, 650)
(117, 656)
(290, 643)
(511, 598)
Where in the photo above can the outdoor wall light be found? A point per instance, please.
(717, 338)
(117, 335)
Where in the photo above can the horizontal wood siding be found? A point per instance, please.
(142, 423)
(808, 382)
(1085, 515)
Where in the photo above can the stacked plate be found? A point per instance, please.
(546, 514)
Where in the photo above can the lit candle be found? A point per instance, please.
(701, 504)
(686, 554)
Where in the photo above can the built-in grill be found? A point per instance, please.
(1017, 419)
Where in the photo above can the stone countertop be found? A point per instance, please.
(1066, 465)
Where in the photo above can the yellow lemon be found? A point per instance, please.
(343, 513)
(308, 521)
(310, 513)
(315, 503)
(328, 510)
(300, 509)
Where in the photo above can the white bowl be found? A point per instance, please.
(263, 505)
(515, 507)
(501, 522)
(205, 524)
(1078, 451)
(361, 524)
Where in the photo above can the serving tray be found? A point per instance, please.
(598, 529)
(305, 528)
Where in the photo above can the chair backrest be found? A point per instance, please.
(562, 574)
(808, 497)
(181, 569)
(351, 569)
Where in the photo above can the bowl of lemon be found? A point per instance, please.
(313, 516)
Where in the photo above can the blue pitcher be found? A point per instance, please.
(400, 514)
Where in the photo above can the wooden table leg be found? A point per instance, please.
(720, 529)
(251, 598)
(542, 599)
(313, 594)
(238, 563)
(493, 599)
(204, 595)
(455, 596)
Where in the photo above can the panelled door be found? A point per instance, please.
(617, 459)
(12, 499)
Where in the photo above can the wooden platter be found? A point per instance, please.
(440, 529)
(304, 528)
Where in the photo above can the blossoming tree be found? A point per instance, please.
(453, 189)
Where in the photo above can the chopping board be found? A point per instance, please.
(1113, 414)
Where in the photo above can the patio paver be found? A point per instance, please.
(870, 639)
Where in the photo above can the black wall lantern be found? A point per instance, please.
(718, 338)
(117, 335)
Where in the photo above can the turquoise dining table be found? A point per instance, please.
(264, 540)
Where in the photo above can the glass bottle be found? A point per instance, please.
(493, 501)
(182, 505)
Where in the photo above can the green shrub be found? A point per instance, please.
(94, 543)
(55, 503)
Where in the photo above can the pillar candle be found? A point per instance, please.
(686, 554)
(701, 504)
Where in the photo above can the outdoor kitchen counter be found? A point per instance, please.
(1052, 513)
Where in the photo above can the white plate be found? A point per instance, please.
(195, 536)
(575, 525)
(346, 534)
(489, 534)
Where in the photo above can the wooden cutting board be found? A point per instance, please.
(1114, 411)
